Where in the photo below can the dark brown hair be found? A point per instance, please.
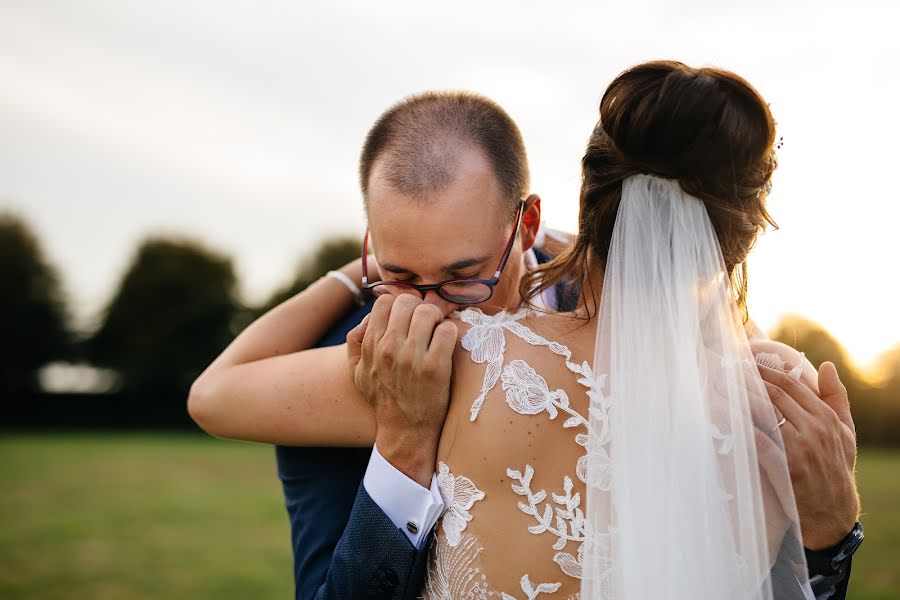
(707, 128)
(422, 136)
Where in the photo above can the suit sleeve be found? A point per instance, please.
(373, 559)
(833, 587)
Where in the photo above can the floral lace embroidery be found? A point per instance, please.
(532, 592)
(486, 344)
(459, 494)
(452, 574)
(774, 361)
(570, 525)
(527, 393)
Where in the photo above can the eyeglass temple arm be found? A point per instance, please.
(365, 259)
(512, 240)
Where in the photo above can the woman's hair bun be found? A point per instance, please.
(677, 121)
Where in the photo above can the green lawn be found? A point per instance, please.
(141, 516)
(186, 516)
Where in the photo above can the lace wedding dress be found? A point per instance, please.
(663, 474)
(513, 463)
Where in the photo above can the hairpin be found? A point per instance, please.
(765, 189)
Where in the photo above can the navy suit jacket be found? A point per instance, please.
(320, 485)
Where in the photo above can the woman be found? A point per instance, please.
(612, 451)
(640, 405)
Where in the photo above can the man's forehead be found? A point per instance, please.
(462, 221)
(423, 249)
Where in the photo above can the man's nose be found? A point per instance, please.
(432, 297)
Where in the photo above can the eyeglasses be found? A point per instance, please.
(457, 291)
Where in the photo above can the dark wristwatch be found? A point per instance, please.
(831, 561)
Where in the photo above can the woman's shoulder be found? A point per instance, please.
(781, 356)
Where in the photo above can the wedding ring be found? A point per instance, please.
(780, 423)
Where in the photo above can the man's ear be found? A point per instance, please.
(531, 221)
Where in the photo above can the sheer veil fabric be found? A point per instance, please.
(688, 491)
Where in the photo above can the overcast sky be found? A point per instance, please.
(240, 123)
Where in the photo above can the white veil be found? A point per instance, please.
(688, 495)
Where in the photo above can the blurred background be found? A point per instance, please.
(170, 170)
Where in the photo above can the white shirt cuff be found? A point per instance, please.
(411, 507)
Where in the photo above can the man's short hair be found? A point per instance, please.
(422, 138)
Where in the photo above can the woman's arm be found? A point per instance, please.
(295, 324)
(265, 387)
(302, 399)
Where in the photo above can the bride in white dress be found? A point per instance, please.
(627, 450)
(615, 452)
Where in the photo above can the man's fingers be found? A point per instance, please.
(425, 318)
(440, 351)
(356, 335)
(792, 411)
(355, 339)
(798, 391)
(401, 315)
(834, 393)
(377, 323)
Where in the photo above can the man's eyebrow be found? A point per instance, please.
(451, 268)
(394, 268)
(465, 264)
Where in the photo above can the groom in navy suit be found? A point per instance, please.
(323, 491)
(361, 521)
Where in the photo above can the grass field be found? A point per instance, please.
(112, 516)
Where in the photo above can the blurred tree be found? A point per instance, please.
(32, 312)
(816, 342)
(883, 401)
(889, 368)
(170, 317)
(331, 255)
(875, 409)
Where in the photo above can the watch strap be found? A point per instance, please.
(835, 559)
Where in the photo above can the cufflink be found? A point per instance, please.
(412, 527)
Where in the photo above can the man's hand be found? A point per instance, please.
(400, 359)
(820, 441)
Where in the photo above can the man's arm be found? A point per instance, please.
(384, 548)
(820, 441)
(401, 360)
(374, 559)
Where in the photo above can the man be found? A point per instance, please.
(444, 177)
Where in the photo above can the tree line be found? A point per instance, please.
(177, 306)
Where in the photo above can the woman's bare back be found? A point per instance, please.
(512, 462)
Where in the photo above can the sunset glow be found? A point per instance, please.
(242, 126)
